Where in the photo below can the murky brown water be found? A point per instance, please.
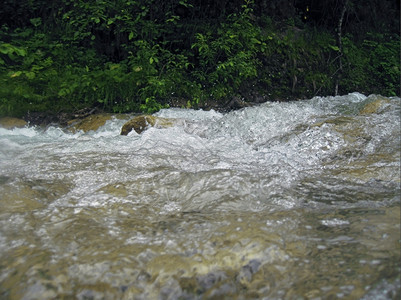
(309, 210)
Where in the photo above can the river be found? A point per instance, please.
(295, 200)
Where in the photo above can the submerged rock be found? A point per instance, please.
(142, 122)
(11, 123)
(374, 106)
(92, 122)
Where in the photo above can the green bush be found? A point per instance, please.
(373, 65)
(137, 55)
(228, 56)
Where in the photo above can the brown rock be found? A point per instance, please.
(142, 122)
(374, 106)
(92, 122)
(10, 123)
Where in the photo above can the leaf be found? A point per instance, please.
(131, 36)
(20, 52)
(16, 74)
(184, 3)
(335, 48)
(63, 92)
(114, 66)
(30, 75)
(36, 22)
(4, 48)
(9, 49)
(153, 59)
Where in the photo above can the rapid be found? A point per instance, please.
(294, 200)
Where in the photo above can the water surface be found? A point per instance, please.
(297, 200)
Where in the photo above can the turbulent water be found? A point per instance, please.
(297, 200)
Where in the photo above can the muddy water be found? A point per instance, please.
(281, 201)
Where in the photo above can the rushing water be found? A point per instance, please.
(295, 200)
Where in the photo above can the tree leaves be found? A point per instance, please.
(130, 55)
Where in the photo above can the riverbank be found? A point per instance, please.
(46, 118)
(85, 56)
(91, 119)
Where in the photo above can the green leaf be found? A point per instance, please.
(20, 52)
(30, 75)
(36, 22)
(153, 59)
(184, 3)
(335, 48)
(114, 66)
(131, 36)
(5, 48)
(16, 74)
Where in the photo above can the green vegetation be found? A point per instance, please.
(142, 55)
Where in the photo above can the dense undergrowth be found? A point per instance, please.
(127, 55)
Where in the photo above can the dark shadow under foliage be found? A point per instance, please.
(137, 55)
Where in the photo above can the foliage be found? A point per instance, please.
(228, 56)
(377, 55)
(384, 61)
(137, 55)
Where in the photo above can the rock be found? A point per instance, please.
(11, 123)
(337, 121)
(142, 122)
(374, 106)
(169, 264)
(237, 103)
(92, 122)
